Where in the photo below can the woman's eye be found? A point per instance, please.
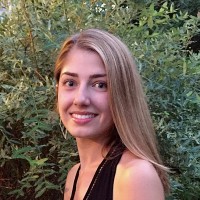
(100, 85)
(70, 83)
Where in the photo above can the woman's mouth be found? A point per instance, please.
(83, 118)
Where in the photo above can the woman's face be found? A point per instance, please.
(83, 95)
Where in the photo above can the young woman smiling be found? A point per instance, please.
(101, 103)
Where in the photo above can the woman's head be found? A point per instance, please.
(124, 85)
(127, 101)
(122, 75)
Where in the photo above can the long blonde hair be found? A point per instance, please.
(128, 104)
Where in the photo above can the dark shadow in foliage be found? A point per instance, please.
(194, 44)
(12, 171)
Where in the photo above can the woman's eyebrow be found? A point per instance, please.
(76, 75)
(97, 76)
(69, 74)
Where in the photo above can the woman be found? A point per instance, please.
(102, 105)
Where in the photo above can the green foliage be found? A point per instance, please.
(190, 6)
(34, 156)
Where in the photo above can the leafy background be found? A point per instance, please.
(165, 40)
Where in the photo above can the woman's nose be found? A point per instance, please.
(82, 97)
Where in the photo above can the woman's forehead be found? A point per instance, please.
(80, 61)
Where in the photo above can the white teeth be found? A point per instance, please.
(83, 116)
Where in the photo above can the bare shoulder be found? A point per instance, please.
(69, 181)
(137, 179)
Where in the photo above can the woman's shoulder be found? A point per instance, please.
(129, 161)
(137, 179)
(70, 180)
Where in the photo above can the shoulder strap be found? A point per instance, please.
(75, 182)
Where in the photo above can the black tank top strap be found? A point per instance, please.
(101, 186)
(75, 182)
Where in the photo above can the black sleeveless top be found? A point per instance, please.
(101, 186)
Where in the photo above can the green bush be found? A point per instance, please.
(34, 156)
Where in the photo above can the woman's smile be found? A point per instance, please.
(82, 117)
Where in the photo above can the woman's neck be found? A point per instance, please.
(91, 152)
